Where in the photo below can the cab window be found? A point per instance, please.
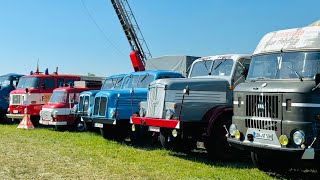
(48, 83)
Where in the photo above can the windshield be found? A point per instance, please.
(291, 65)
(28, 82)
(58, 97)
(112, 83)
(218, 67)
(4, 81)
(138, 81)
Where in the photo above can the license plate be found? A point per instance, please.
(15, 111)
(265, 136)
(98, 125)
(154, 129)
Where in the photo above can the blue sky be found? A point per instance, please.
(60, 32)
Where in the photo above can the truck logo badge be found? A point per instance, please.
(261, 106)
(264, 85)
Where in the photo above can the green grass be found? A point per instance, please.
(48, 154)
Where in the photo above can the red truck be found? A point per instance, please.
(33, 91)
(57, 111)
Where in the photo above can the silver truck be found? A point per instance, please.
(197, 108)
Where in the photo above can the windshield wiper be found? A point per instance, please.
(220, 64)
(119, 81)
(205, 65)
(297, 74)
(144, 77)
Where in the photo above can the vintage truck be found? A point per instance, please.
(57, 112)
(277, 109)
(113, 108)
(34, 90)
(8, 83)
(194, 109)
(86, 102)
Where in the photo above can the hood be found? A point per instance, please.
(194, 84)
(277, 86)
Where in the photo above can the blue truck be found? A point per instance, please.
(112, 108)
(8, 83)
(86, 101)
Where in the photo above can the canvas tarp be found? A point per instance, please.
(298, 39)
(174, 63)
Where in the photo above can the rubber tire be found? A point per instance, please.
(176, 143)
(138, 136)
(216, 144)
(80, 126)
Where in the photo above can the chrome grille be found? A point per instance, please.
(16, 99)
(84, 103)
(155, 102)
(263, 106)
(100, 106)
(261, 124)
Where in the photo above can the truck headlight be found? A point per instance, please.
(232, 129)
(112, 113)
(298, 137)
(54, 113)
(142, 112)
(169, 114)
(89, 111)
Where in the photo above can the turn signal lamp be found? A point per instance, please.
(133, 128)
(283, 140)
(231, 88)
(237, 134)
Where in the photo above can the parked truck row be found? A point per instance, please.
(266, 103)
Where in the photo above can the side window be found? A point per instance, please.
(60, 82)
(70, 81)
(48, 83)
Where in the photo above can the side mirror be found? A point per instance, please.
(186, 91)
(27, 90)
(317, 79)
(43, 86)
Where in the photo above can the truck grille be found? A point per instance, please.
(84, 103)
(16, 99)
(46, 115)
(155, 102)
(100, 106)
(261, 124)
(262, 106)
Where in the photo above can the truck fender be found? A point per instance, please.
(212, 116)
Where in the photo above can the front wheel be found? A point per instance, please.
(80, 126)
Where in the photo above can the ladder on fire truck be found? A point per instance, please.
(140, 50)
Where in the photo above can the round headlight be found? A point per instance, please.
(169, 114)
(89, 111)
(54, 113)
(298, 137)
(142, 112)
(232, 129)
(283, 139)
(112, 113)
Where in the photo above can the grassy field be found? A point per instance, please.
(47, 154)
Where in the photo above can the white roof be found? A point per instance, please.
(298, 39)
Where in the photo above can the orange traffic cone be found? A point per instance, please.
(26, 123)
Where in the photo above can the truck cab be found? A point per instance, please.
(113, 108)
(276, 110)
(57, 112)
(184, 111)
(8, 83)
(86, 102)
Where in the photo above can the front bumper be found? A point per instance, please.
(262, 148)
(53, 123)
(15, 116)
(104, 121)
(156, 122)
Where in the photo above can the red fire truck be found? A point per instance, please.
(33, 91)
(57, 111)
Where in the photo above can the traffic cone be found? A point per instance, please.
(26, 123)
